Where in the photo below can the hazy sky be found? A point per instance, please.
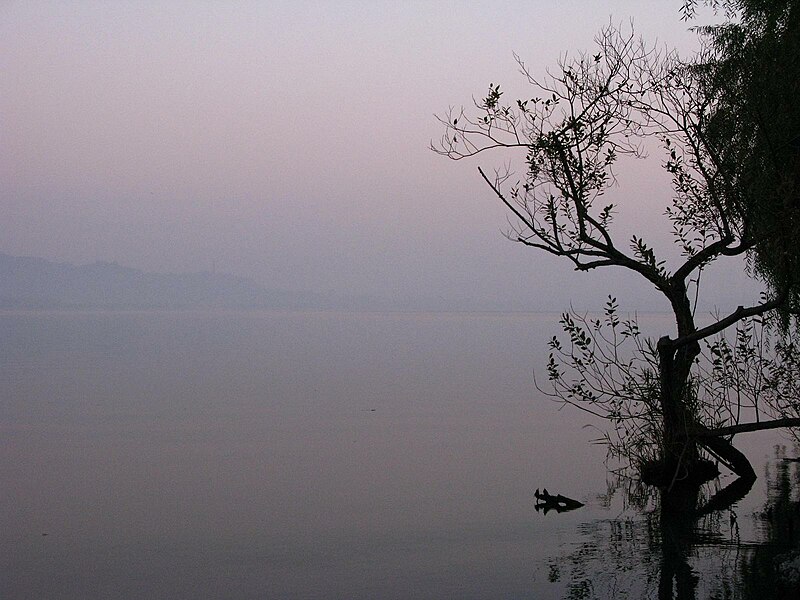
(287, 141)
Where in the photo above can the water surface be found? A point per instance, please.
(303, 455)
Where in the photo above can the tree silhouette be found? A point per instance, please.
(568, 137)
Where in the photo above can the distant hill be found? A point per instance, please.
(27, 282)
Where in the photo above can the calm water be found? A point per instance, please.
(318, 455)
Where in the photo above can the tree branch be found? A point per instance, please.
(702, 256)
(511, 207)
(737, 315)
(747, 427)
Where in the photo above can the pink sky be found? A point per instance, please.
(287, 141)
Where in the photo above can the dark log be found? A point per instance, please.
(557, 502)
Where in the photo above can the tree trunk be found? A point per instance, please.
(683, 434)
(679, 450)
(680, 457)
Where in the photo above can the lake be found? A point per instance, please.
(325, 455)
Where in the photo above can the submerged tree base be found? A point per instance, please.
(667, 474)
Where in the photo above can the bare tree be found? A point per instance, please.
(570, 134)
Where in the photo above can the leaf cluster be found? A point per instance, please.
(606, 367)
(751, 373)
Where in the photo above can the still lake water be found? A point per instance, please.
(319, 455)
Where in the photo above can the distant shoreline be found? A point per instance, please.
(343, 311)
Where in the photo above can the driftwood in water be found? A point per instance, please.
(547, 502)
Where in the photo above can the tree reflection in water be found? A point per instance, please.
(686, 545)
(776, 562)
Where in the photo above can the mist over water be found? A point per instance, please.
(290, 455)
(163, 449)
